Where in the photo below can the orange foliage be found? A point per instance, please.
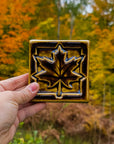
(14, 26)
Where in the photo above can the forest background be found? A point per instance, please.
(22, 20)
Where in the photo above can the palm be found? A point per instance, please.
(13, 112)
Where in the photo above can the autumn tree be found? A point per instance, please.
(15, 17)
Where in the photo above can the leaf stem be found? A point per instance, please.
(59, 88)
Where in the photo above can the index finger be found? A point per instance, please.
(14, 83)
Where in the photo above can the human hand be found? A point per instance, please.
(14, 105)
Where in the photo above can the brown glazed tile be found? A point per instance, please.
(61, 67)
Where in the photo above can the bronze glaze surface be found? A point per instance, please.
(61, 68)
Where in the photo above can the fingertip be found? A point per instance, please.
(33, 87)
(41, 106)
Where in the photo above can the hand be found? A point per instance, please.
(14, 105)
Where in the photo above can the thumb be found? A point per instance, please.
(25, 95)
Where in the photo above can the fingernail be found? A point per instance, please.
(34, 87)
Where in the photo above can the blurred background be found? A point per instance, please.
(63, 123)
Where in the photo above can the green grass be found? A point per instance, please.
(32, 137)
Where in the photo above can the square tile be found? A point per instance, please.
(61, 67)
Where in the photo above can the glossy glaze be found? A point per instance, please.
(61, 69)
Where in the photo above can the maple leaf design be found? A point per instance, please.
(58, 70)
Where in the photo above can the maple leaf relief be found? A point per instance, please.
(58, 70)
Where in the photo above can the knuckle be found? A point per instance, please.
(1, 87)
(11, 95)
(25, 95)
